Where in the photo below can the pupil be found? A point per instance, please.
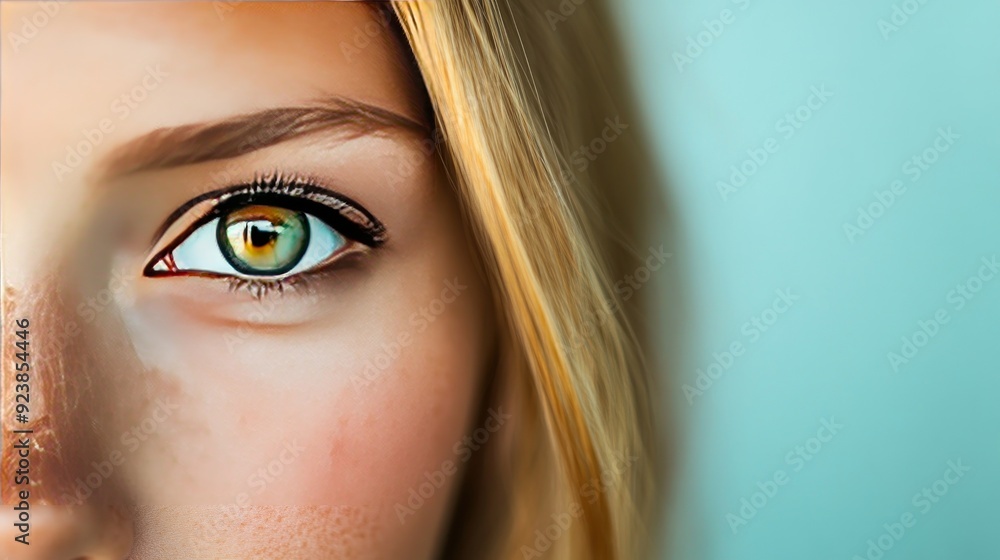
(262, 234)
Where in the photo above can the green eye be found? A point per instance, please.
(263, 240)
(265, 232)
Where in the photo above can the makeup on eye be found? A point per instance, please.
(274, 228)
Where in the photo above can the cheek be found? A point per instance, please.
(400, 413)
(257, 532)
(348, 411)
(369, 410)
(369, 424)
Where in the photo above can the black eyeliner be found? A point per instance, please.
(370, 230)
(339, 211)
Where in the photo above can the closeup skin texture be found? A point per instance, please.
(221, 420)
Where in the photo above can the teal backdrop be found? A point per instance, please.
(836, 171)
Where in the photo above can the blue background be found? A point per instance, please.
(827, 356)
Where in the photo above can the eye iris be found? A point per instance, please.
(263, 240)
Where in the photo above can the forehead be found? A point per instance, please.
(204, 59)
(150, 27)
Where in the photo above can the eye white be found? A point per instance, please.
(201, 252)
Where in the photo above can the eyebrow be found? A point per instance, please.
(230, 137)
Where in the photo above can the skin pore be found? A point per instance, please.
(219, 418)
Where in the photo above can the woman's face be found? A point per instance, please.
(253, 308)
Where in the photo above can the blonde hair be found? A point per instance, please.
(516, 86)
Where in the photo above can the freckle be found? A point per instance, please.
(313, 531)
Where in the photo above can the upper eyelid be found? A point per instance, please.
(277, 186)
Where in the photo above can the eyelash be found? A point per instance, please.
(341, 213)
(260, 288)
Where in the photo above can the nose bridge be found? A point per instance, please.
(52, 433)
